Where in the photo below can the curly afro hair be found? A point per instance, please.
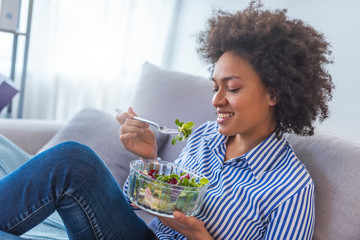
(289, 56)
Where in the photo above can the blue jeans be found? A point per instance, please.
(71, 179)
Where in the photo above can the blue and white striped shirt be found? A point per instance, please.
(266, 193)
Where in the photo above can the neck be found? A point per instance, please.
(240, 144)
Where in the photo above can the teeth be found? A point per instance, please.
(225, 115)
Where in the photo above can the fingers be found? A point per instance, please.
(134, 206)
(130, 128)
(122, 117)
(179, 215)
(130, 110)
(187, 220)
(127, 136)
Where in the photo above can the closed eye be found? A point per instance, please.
(234, 90)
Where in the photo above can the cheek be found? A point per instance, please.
(240, 103)
(249, 108)
(260, 109)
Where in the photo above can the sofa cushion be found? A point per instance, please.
(29, 134)
(100, 131)
(334, 164)
(164, 96)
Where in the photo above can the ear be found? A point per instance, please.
(273, 100)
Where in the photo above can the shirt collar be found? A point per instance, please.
(215, 139)
(264, 155)
(260, 158)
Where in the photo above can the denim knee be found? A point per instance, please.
(75, 152)
(76, 159)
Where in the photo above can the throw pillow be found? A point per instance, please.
(100, 131)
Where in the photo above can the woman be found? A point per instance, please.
(269, 78)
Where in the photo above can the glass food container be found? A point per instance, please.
(164, 197)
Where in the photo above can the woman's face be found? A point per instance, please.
(242, 102)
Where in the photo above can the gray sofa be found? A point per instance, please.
(163, 96)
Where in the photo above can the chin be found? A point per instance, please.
(225, 132)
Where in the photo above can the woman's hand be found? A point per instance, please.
(136, 136)
(190, 227)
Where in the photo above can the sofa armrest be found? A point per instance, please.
(29, 134)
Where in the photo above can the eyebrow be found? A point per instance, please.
(226, 78)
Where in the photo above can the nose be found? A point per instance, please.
(219, 99)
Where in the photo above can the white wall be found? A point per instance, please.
(338, 20)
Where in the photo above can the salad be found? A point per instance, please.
(174, 179)
(169, 193)
(185, 130)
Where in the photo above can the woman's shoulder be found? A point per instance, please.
(290, 167)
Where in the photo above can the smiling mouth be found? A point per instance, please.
(225, 115)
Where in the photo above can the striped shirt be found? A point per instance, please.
(266, 193)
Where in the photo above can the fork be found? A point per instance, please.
(160, 128)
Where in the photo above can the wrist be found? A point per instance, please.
(150, 155)
(154, 155)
